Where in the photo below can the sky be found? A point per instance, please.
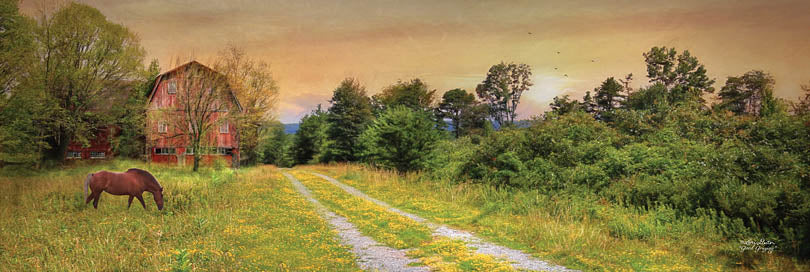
(313, 45)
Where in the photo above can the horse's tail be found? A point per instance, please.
(86, 183)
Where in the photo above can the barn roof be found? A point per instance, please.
(193, 62)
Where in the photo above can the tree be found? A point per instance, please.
(609, 95)
(310, 139)
(85, 61)
(276, 146)
(502, 88)
(455, 103)
(203, 101)
(348, 116)
(23, 104)
(682, 75)
(401, 138)
(803, 105)
(253, 85)
(751, 93)
(413, 94)
(563, 105)
(473, 120)
(16, 47)
(130, 119)
(588, 103)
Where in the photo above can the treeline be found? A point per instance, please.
(70, 72)
(744, 159)
(63, 75)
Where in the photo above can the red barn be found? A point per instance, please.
(167, 117)
(99, 147)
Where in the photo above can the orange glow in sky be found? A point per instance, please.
(313, 45)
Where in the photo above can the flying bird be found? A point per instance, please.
(558, 52)
(566, 75)
(555, 68)
(530, 33)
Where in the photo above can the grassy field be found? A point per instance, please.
(251, 219)
(604, 239)
(398, 231)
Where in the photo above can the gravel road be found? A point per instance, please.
(518, 259)
(371, 255)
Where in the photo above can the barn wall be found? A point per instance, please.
(161, 99)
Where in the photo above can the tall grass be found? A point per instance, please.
(214, 219)
(579, 232)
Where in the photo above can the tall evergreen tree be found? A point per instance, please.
(310, 139)
(609, 95)
(348, 116)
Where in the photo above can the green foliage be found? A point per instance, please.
(563, 105)
(401, 138)
(750, 173)
(277, 147)
(348, 116)
(502, 88)
(131, 118)
(465, 113)
(310, 139)
(682, 75)
(751, 93)
(413, 94)
(16, 47)
(802, 107)
(86, 60)
(609, 95)
(182, 261)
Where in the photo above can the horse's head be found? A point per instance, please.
(159, 198)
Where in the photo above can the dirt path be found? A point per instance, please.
(371, 254)
(517, 258)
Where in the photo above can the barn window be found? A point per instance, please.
(164, 150)
(163, 127)
(74, 154)
(96, 155)
(172, 87)
(224, 127)
(224, 151)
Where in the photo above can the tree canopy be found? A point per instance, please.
(502, 89)
(349, 114)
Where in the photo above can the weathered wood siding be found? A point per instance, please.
(162, 100)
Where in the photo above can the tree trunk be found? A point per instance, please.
(59, 144)
(196, 160)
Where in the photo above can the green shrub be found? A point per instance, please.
(401, 138)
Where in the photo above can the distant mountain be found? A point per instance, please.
(291, 128)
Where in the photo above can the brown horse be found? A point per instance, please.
(133, 182)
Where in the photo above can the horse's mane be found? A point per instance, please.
(145, 174)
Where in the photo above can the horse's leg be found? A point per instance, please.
(140, 197)
(130, 201)
(97, 196)
(89, 197)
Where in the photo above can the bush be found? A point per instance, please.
(401, 138)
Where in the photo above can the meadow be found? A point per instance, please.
(216, 219)
(252, 219)
(576, 233)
